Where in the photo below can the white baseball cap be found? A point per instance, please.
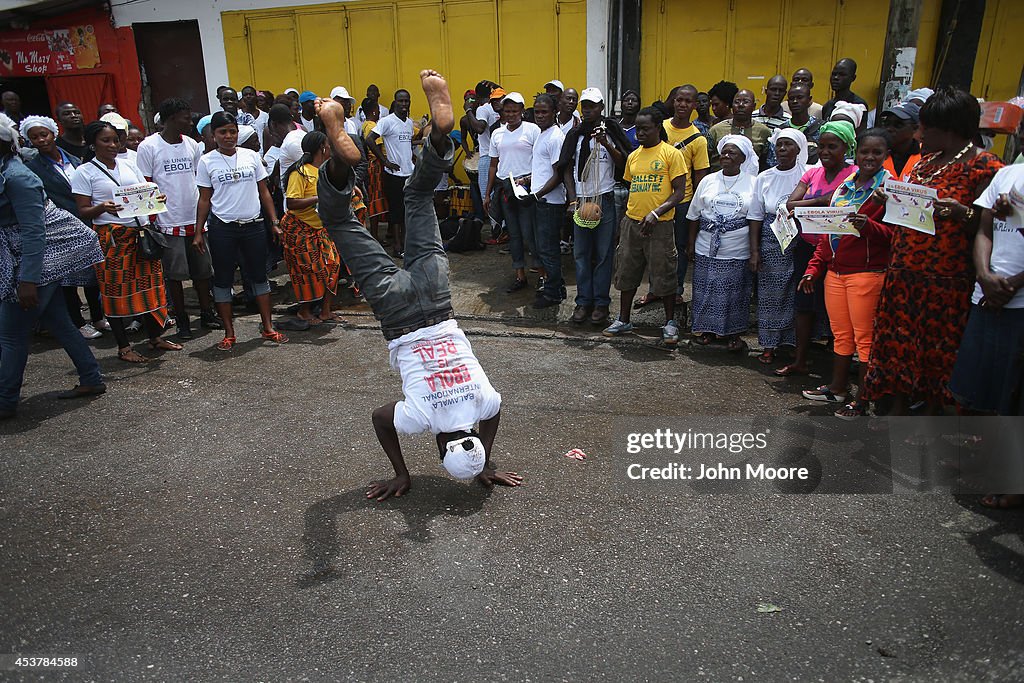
(116, 120)
(341, 92)
(464, 457)
(592, 95)
(289, 91)
(514, 97)
(555, 82)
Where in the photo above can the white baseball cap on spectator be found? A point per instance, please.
(555, 82)
(341, 92)
(592, 95)
(514, 97)
(291, 91)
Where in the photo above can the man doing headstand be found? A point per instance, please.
(446, 390)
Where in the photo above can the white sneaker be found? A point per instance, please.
(102, 325)
(89, 332)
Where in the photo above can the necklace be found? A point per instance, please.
(923, 179)
(233, 169)
(728, 186)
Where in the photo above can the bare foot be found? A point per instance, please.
(490, 477)
(333, 116)
(440, 100)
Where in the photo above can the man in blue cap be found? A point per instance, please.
(307, 101)
(901, 122)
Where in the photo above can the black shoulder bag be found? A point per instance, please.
(150, 245)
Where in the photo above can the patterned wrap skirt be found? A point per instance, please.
(376, 202)
(72, 249)
(129, 285)
(721, 295)
(312, 258)
(776, 291)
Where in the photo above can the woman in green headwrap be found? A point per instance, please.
(815, 189)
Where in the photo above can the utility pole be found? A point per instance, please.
(900, 52)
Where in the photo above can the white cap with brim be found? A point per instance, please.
(555, 82)
(514, 97)
(245, 132)
(341, 92)
(592, 95)
(289, 91)
(464, 457)
(116, 120)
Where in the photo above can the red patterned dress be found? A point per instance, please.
(927, 293)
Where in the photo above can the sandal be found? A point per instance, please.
(129, 355)
(851, 411)
(1003, 502)
(163, 344)
(226, 343)
(274, 336)
(790, 371)
(767, 357)
(823, 394)
(334, 319)
(704, 339)
(736, 346)
(646, 300)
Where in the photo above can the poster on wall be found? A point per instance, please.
(48, 51)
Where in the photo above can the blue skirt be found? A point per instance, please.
(989, 370)
(721, 295)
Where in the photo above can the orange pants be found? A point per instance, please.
(851, 301)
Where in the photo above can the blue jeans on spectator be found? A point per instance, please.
(234, 244)
(594, 252)
(549, 232)
(16, 328)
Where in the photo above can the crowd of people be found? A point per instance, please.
(701, 177)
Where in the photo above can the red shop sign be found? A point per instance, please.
(48, 51)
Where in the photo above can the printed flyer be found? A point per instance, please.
(830, 220)
(911, 206)
(141, 199)
(784, 227)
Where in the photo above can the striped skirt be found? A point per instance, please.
(721, 295)
(376, 203)
(312, 259)
(129, 285)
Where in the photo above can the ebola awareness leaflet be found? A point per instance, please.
(832, 220)
(141, 199)
(784, 227)
(911, 206)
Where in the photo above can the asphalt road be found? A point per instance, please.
(205, 520)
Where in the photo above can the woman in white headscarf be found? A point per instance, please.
(771, 259)
(720, 242)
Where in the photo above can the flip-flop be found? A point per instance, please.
(766, 358)
(788, 371)
(333, 319)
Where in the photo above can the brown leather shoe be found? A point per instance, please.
(580, 314)
(600, 316)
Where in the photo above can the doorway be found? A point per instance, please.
(171, 60)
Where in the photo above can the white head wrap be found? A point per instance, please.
(797, 137)
(855, 112)
(920, 94)
(9, 131)
(116, 120)
(33, 121)
(749, 164)
(245, 132)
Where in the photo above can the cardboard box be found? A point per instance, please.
(1001, 117)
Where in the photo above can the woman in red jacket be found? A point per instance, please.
(854, 269)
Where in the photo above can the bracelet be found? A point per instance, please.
(656, 216)
(969, 215)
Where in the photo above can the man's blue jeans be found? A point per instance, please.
(16, 328)
(403, 299)
(594, 251)
(549, 231)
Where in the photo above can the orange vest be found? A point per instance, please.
(911, 162)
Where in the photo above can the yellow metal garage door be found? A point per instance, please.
(519, 43)
(749, 41)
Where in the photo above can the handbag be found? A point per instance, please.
(150, 245)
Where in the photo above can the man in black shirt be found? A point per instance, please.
(72, 139)
(844, 73)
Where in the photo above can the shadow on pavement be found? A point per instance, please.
(430, 498)
(994, 544)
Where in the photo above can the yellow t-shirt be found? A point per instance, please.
(695, 152)
(650, 172)
(302, 185)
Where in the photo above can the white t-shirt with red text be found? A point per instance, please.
(445, 388)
